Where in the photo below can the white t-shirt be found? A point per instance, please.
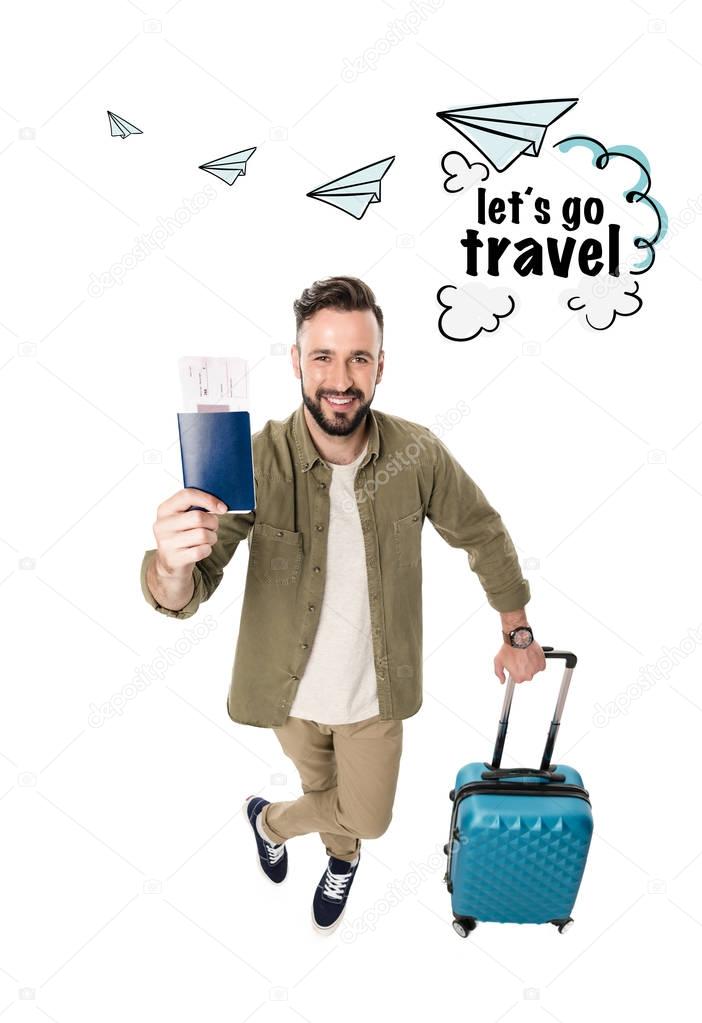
(339, 684)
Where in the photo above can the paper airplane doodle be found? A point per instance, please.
(118, 126)
(228, 168)
(353, 193)
(505, 131)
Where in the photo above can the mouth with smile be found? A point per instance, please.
(339, 404)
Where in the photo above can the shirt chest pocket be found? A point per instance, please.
(408, 538)
(276, 554)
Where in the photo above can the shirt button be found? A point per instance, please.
(322, 486)
(279, 533)
(316, 568)
(311, 607)
(320, 527)
(303, 645)
(294, 678)
(414, 518)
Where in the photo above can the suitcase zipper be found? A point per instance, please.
(523, 788)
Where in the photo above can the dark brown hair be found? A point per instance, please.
(344, 293)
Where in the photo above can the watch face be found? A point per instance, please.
(521, 638)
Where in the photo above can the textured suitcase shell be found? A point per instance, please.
(517, 858)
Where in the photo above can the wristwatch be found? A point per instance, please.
(521, 637)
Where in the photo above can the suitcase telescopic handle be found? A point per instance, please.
(545, 770)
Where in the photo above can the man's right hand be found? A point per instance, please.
(185, 537)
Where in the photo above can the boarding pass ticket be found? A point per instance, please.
(214, 384)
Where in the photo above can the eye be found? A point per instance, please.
(321, 358)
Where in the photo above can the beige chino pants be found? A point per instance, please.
(349, 777)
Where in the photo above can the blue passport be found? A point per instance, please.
(217, 456)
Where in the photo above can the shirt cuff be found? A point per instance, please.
(192, 605)
(513, 600)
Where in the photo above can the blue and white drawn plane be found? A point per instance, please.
(353, 193)
(118, 126)
(503, 132)
(228, 168)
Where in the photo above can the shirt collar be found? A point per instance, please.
(307, 452)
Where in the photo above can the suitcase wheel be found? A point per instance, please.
(463, 925)
(563, 925)
(452, 794)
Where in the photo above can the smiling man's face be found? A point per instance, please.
(339, 365)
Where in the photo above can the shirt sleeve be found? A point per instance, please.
(207, 573)
(463, 517)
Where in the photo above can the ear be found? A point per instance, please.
(381, 366)
(295, 360)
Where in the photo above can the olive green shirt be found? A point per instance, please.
(407, 475)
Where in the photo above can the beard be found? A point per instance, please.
(337, 424)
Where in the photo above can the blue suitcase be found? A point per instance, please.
(519, 836)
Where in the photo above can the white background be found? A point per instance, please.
(129, 879)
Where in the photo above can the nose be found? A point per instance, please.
(339, 380)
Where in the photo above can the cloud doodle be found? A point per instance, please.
(638, 194)
(472, 309)
(459, 170)
(599, 300)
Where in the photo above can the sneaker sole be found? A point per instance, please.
(331, 927)
(270, 880)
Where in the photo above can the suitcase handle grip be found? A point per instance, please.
(570, 659)
(550, 654)
(517, 772)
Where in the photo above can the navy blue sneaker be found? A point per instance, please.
(272, 857)
(332, 892)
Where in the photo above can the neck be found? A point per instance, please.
(337, 450)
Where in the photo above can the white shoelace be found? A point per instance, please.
(274, 852)
(334, 884)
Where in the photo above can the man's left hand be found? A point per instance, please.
(522, 665)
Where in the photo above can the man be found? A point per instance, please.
(329, 652)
